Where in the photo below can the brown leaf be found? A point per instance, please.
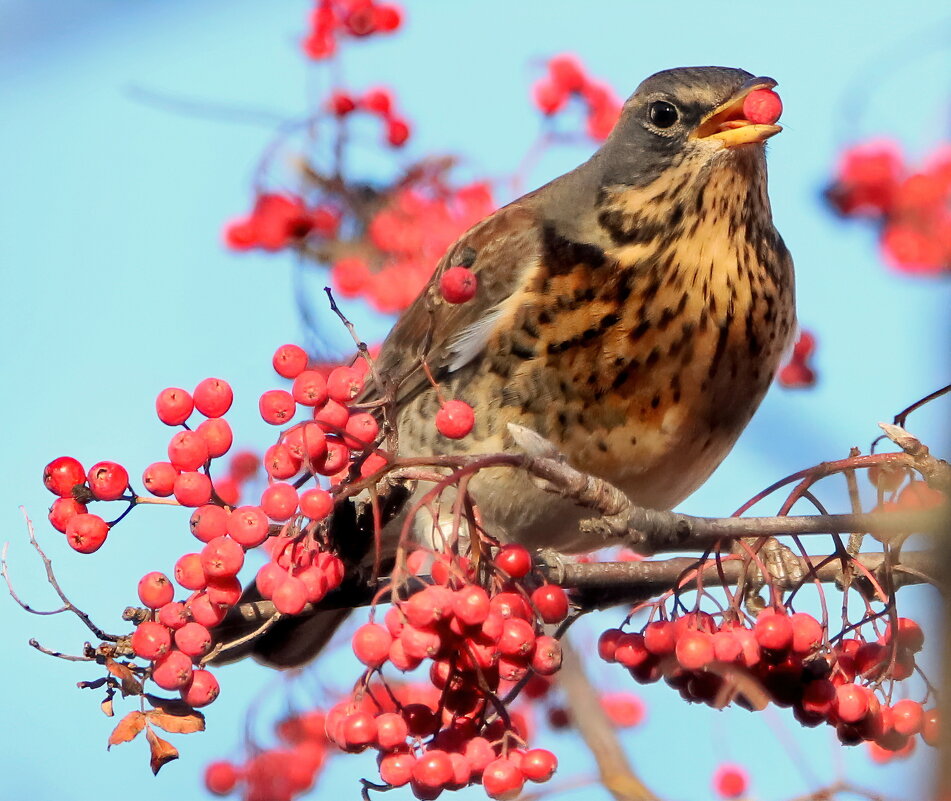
(171, 706)
(129, 684)
(162, 750)
(176, 724)
(127, 729)
(106, 707)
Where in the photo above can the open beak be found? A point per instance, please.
(728, 125)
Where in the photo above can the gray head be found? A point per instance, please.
(680, 113)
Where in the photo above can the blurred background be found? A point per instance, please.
(130, 136)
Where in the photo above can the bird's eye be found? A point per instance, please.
(662, 114)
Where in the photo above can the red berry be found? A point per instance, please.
(332, 416)
(202, 690)
(929, 728)
(192, 489)
(397, 769)
(694, 649)
(222, 557)
(624, 709)
(538, 764)
(316, 503)
(174, 406)
(730, 781)
(433, 769)
(336, 460)
(387, 18)
(155, 590)
(173, 615)
(851, 702)
(151, 640)
(209, 521)
(513, 559)
(378, 100)
(290, 596)
(371, 644)
(518, 638)
(307, 443)
(608, 644)
(107, 480)
(248, 526)
(471, 605)
(503, 779)
(193, 639)
(458, 284)
(659, 637)
(546, 660)
(310, 388)
(344, 384)
(361, 430)
(358, 730)
(397, 131)
(225, 591)
(280, 462)
(279, 501)
(172, 671)
(205, 611)
(187, 450)
(630, 650)
(159, 479)
(340, 104)
(391, 731)
(213, 397)
(910, 635)
(289, 361)
(221, 777)
(773, 630)
(277, 407)
(86, 532)
(62, 474)
(551, 601)
(63, 510)
(818, 697)
(762, 107)
(189, 572)
(548, 96)
(217, 435)
(807, 633)
(908, 717)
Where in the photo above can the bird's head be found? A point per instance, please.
(689, 113)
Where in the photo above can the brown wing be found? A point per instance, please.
(501, 250)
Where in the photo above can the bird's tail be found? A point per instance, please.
(288, 643)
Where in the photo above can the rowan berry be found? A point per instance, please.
(551, 601)
(387, 18)
(337, 458)
(310, 388)
(851, 702)
(222, 556)
(361, 430)
(247, 525)
(332, 416)
(62, 474)
(268, 577)
(773, 630)
(107, 480)
(193, 639)
(205, 611)
(213, 397)
(172, 671)
(371, 644)
(277, 406)
(316, 503)
(730, 781)
(518, 638)
(397, 131)
(930, 727)
(396, 769)
(289, 361)
(155, 590)
(694, 649)
(174, 406)
(514, 560)
(290, 595)
(189, 572)
(470, 605)
(624, 709)
(344, 384)
(201, 690)
(548, 96)
(279, 501)
(217, 434)
(151, 640)
(659, 637)
(221, 777)
(630, 650)
(458, 284)
(762, 107)
(433, 769)
(63, 510)
(455, 419)
(378, 101)
(224, 591)
(546, 660)
(503, 779)
(86, 532)
(159, 479)
(192, 489)
(538, 764)
(910, 635)
(807, 633)
(173, 615)
(908, 717)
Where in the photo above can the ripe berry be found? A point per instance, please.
(187, 450)
(762, 106)
(514, 560)
(213, 397)
(807, 633)
(397, 131)
(174, 406)
(289, 361)
(172, 671)
(221, 777)
(332, 416)
(471, 605)
(310, 388)
(538, 764)
(397, 769)
(518, 638)
(193, 639)
(624, 709)
(361, 430)
(546, 660)
(209, 521)
(908, 717)
(337, 458)
(159, 479)
(248, 526)
(730, 781)
(173, 615)
(316, 503)
(503, 779)
(205, 611)
(659, 637)
(371, 644)
(86, 532)
(225, 591)
(773, 630)
(851, 702)
(455, 419)
(202, 690)
(290, 595)
(63, 510)
(222, 557)
(189, 572)
(192, 489)
(910, 635)
(280, 462)
(358, 730)
(62, 474)
(279, 501)
(155, 590)
(929, 728)
(217, 435)
(151, 640)
(458, 284)
(344, 384)
(551, 601)
(107, 480)
(433, 769)
(277, 406)
(695, 649)
(630, 650)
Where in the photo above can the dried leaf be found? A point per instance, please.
(127, 729)
(106, 707)
(129, 684)
(171, 706)
(162, 750)
(177, 724)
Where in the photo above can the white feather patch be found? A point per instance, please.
(471, 341)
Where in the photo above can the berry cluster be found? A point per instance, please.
(791, 658)
(278, 221)
(566, 79)
(912, 209)
(357, 19)
(797, 373)
(378, 102)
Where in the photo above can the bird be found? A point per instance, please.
(631, 312)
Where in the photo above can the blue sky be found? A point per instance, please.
(116, 285)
